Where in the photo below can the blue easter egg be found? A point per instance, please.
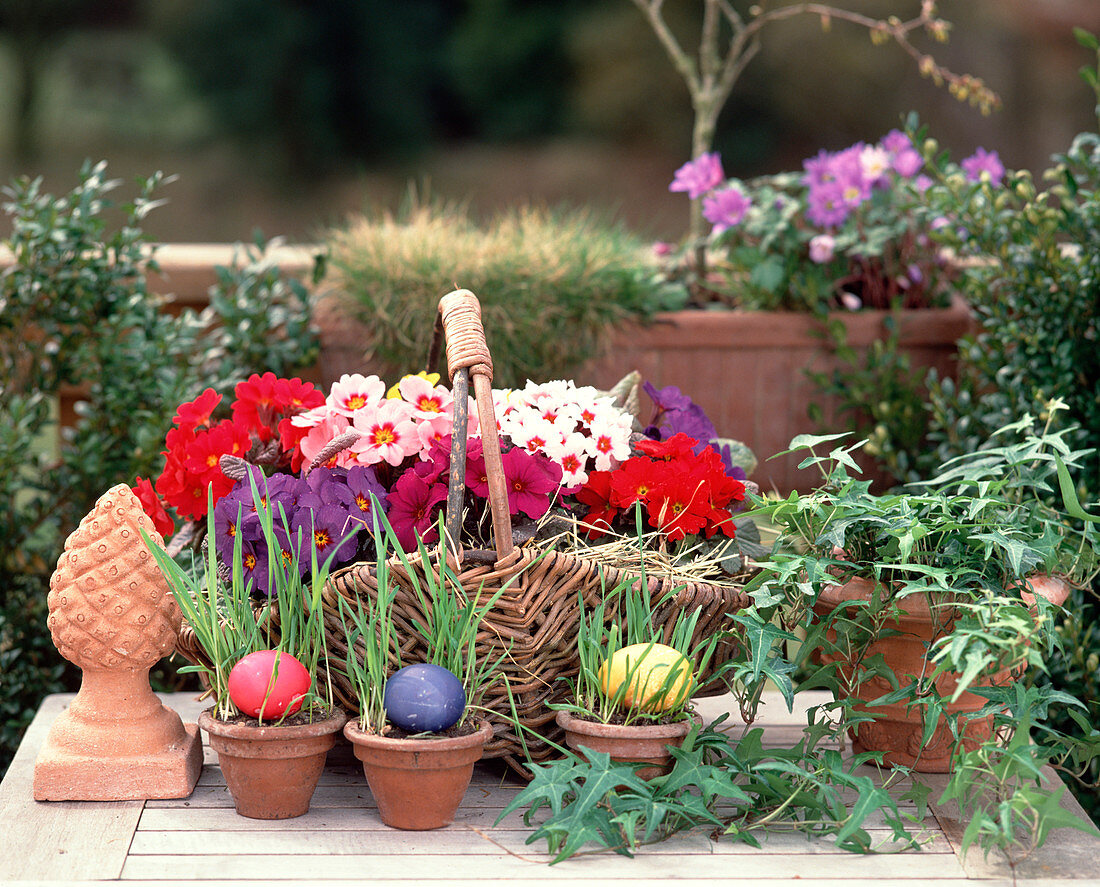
(424, 699)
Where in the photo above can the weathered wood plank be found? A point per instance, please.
(459, 840)
(647, 864)
(469, 874)
(1067, 853)
(59, 840)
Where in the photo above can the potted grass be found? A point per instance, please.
(270, 724)
(419, 732)
(924, 605)
(632, 695)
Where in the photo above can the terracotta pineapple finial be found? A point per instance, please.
(113, 615)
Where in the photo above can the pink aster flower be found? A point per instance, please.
(388, 433)
(726, 208)
(983, 161)
(354, 392)
(822, 248)
(698, 176)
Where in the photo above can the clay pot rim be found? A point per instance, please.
(332, 724)
(356, 736)
(916, 606)
(569, 721)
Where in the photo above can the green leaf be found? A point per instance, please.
(1069, 494)
(769, 275)
(1086, 38)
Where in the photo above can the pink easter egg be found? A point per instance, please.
(250, 682)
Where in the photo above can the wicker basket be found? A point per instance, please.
(536, 619)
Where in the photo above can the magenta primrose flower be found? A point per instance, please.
(726, 208)
(530, 481)
(414, 505)
(698, 176)
(984, 161)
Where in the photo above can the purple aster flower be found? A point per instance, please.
(414, 505)
(825, 206)
(698, 176)
(726, 208)
(907, 163)
(819, 169)
(984, 161)
(530, 482)
(895, 141)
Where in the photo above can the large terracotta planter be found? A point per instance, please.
(748, 369)
(896, 732)
(272, 771)
(646, 744)
(418, 783)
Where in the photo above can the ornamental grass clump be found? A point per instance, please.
(630, 671)
(449, 621)
(551, 282)
(218, 602)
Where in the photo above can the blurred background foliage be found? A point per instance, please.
(286, 115)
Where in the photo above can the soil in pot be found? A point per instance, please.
(418, 783)
(897, 732)
(643, 744)
(272, 771)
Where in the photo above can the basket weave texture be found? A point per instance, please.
(536, 619)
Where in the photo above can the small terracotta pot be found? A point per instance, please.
(645, 744)
(272, 771)
(896, 732)
(418, 783)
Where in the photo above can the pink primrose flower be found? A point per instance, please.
(531, 482)
(388, 433)
(354, 392)
(427, 400)
(324, 427)
(413, 506)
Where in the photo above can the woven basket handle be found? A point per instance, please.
(459, 323)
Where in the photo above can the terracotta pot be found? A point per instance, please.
(272, 771)
(895, 731)
(418, 783)
(646, 744)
